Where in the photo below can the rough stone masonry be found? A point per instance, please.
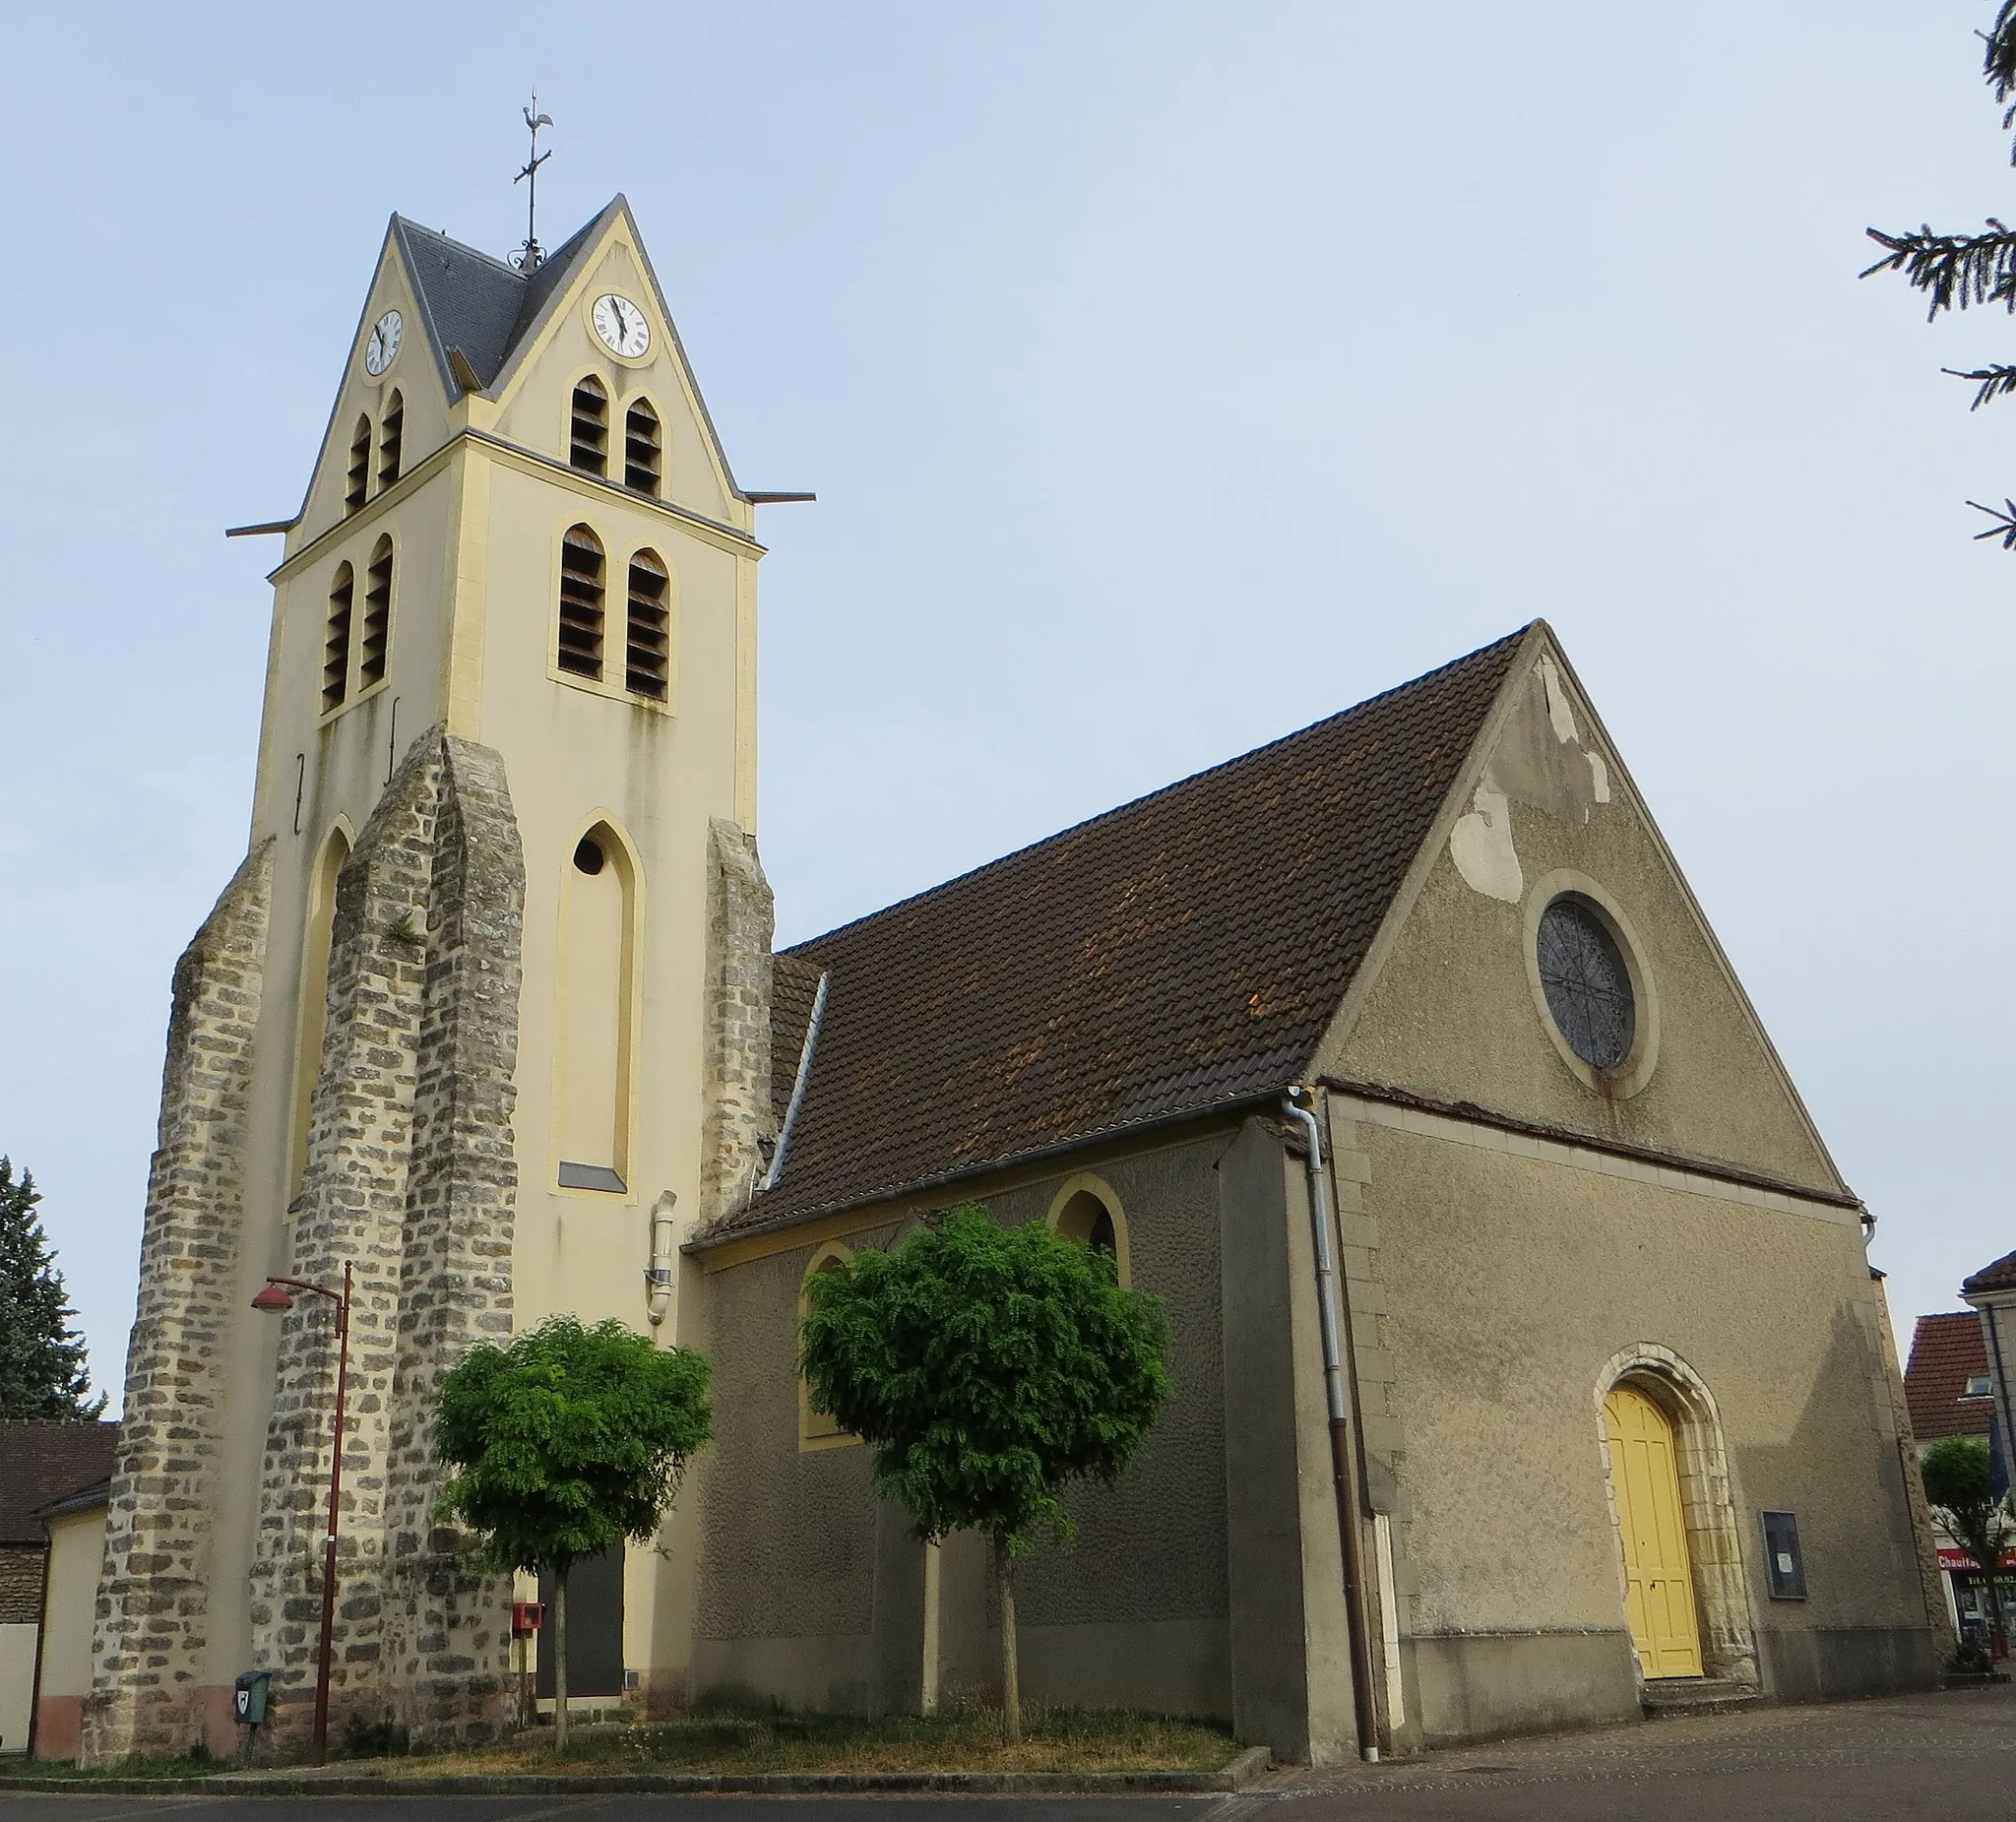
(411, 1174)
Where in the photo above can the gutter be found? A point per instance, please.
(1350, 1528)
(798, 1084)
(960, 1174)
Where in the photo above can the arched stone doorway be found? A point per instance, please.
(1657, 1377)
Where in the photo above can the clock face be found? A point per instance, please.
(383, 345)
(621, 326)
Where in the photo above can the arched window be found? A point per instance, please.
(647, 638)
(357, 485)
(592, 1075)
(390, 433)
(816, 1428)
(336, 643)
(1086, 1211)
(312, 1017)
(581, 603)
(587, 427)
(641, 448)
(377, 616)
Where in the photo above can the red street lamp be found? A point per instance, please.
(279, 1297)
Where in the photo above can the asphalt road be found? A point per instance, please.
(1942, 1756)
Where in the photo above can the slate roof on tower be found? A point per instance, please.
(479, 304)
(1184, 952)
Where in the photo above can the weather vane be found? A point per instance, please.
(530, 255)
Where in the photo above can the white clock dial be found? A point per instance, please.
(621, 326)
(383, 347)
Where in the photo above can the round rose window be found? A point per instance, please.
(1582, 971)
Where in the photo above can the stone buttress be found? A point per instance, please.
(152, 1620)
(741, 1128)
(412, 1178)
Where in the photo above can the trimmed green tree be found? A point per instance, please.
(1960, 1488)
(988, 1367)
(42, 1372)
(564, 1444)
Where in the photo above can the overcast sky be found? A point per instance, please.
(1170, 375)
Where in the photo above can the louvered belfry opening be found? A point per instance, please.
(336, 646)
(377, 616)
(641, 448)
(581, 603)
(390, 432)
(647, 647)
(588, 436)
(357, 485)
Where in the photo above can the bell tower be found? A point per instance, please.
(487, 997)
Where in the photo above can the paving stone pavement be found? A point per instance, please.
(1946, 1755)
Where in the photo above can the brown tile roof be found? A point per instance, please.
(2001, 1276)
(43, 1461)
(1185, 951)
(1945, 1352)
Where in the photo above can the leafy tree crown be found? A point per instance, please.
(568, 1441)
(42, 1371)
(1957, 1474)
(988, 1367)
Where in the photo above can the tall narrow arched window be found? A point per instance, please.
(819, 1429)
(647, 638)
(1086, 1211)
(357, 482)
(641, 448)
(587, 427)
(335, 639)
(591, 1066)
(581, 603)
(377, 616)
(315, 942)
(390, 433)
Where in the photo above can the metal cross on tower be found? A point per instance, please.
(530, 255)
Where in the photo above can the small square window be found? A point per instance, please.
(1978, 1386)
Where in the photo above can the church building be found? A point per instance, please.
(1527, 1364)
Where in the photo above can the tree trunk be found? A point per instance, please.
(560, 1660)
(1011, 1674)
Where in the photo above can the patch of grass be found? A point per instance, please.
(196, 1764)
(966, 1739)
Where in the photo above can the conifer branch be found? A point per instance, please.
(1999, 63)
(1995, 381)
(2004, 527)
(1955, 270)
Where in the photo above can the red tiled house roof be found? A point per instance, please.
(40, 1463)
(1182, 952)
(1945, 1352)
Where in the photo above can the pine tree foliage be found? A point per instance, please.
(42, 1372)
(1962, 271)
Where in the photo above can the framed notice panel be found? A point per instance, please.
(1783, 1567)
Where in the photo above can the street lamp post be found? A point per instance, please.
(278, 1295)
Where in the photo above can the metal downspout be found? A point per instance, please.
(1349, 1529)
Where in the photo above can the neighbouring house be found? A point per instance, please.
(39, 1462)
(490, 1014)
(1951, 1393)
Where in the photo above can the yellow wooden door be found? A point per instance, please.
(1647, 1485)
